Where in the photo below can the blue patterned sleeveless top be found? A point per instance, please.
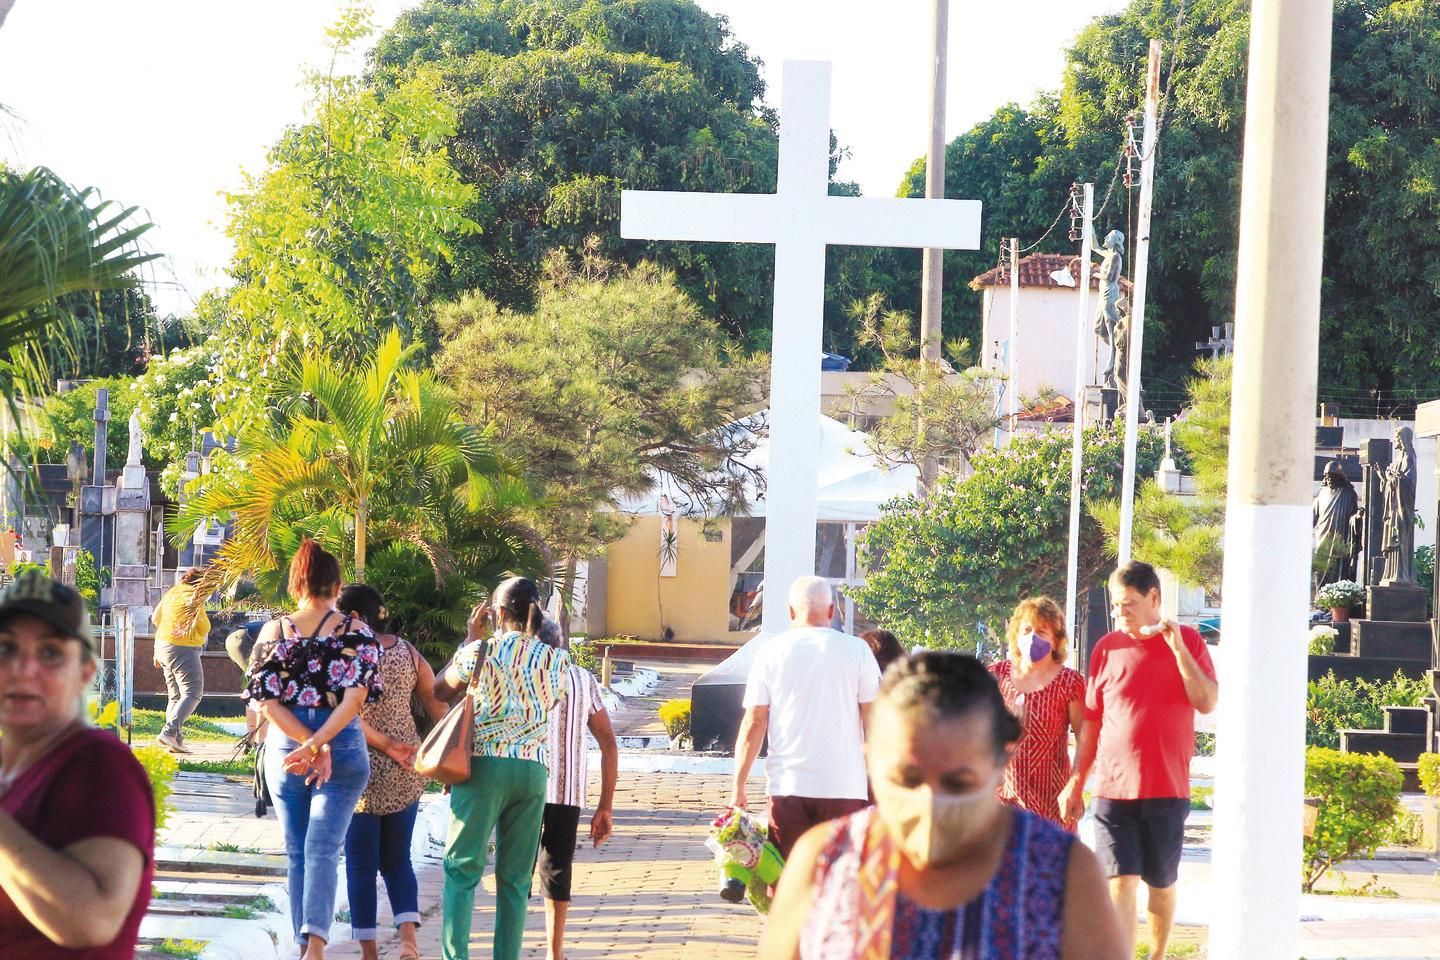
(1018, 916)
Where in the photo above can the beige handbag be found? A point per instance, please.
(445, 753)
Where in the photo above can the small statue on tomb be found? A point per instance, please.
(137, 440)
(1397, 542)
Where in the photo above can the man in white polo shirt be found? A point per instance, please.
(810, 690)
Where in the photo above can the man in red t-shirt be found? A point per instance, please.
(1147, 679)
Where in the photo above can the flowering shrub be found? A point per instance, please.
(675, 714)
(1359, 799)
(1322, 640)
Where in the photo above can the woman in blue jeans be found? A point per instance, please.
(322, 669)
(380, 834)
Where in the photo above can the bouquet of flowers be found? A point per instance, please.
(1322, 639)
(749, 863)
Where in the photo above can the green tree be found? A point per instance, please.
(1381, 250)
(356, 457)
(614, 377)
(115, 333)
(945, 570)
(1186, 534)
(936, 412)
(341, 236)
(55, 241)
(562, 103)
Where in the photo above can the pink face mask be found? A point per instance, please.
(931, 828)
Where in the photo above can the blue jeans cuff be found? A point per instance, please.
(409, 917)
(370, 933)
(310, 930)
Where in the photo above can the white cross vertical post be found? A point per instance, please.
(1260, 738)
(800, 219)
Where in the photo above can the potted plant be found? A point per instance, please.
(1339, 597)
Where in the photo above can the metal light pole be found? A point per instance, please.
(1077, 434)
(1260, 763)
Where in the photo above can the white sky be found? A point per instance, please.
(161, 103)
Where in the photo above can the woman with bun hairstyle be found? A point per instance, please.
(521, 677)
(384, 823)
(319, 668)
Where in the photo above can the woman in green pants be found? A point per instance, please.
(521, 679)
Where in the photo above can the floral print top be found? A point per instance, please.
(316, 671)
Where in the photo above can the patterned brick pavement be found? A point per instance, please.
(650, 892)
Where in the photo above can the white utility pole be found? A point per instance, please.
(932, 259)
(1012, 349)
(1260, 761)
(932, 262)
(1136, 344)
(1077, 434)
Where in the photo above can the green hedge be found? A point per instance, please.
(1359, 800)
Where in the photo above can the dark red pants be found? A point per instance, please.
(790, 817)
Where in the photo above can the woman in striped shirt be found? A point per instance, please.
(520, 680)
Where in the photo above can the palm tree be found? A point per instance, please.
(56, 240)
(355, 457)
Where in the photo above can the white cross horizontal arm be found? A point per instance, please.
(769, 218)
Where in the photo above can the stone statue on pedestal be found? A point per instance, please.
(133, 477)
(1397, 542)
(1334, 514)
(1112, 317)
(137, 440)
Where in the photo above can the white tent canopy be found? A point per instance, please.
(852, 483)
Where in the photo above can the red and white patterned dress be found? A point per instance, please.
(1040, 765)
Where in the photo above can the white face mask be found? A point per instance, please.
(932, 828)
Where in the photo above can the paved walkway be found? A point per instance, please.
(651, 891)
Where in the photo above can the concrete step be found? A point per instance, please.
(1414, 720)
(1390, 640)
(1401, 747)
(1351, 667)
(190, 861)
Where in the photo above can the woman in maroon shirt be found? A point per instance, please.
(75, 867)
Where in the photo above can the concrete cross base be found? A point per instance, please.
(1396, 601)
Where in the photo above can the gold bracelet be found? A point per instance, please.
(310, 742)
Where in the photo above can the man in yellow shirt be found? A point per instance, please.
(177, 654)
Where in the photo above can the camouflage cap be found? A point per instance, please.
(59, 605)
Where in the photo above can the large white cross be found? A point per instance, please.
(800, 219)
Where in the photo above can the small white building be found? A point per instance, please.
(1048, 333)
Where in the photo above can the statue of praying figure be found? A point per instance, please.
(137, 440)
(1111, 319)
(1397, 542)
(1333, 517)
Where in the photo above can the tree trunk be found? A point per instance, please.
(567, 588)
(362, 519)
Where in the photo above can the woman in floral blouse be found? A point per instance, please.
(520, 679)
(310, 686)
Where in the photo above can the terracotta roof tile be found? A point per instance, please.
(1036, 270)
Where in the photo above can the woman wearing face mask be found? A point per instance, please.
(940, 868)
(1049, 699)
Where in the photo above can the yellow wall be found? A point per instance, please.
(696, 599)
